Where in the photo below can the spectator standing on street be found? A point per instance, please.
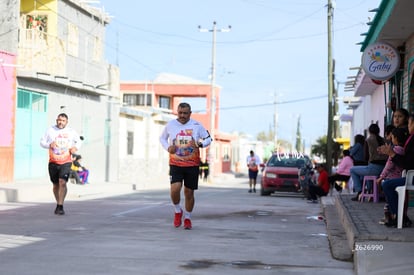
(206, 169)
(62, 142)
(182, 138)
(322, 187)
(253, 163)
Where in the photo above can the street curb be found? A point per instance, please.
(336, 235)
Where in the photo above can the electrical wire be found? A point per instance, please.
(267, 104)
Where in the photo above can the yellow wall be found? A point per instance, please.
(48, 7)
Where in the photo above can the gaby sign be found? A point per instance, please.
(380, 61)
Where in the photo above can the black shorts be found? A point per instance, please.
(59, 171)
(187, 174)
(253, 174)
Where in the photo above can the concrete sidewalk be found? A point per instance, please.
(40, 190)
(355, 234)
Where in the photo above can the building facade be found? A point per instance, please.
(57, 49)
(147, 107)
(377, 99)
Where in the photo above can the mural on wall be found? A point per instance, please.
(7, 98)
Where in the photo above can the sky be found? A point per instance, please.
(273, 59)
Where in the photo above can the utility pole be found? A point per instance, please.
(329, 142)
(212, 149)
(275, 121)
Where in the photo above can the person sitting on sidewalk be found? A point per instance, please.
(406, 161)
(74, 171)
(343, 172)
(376, 160)
(82, 172)
(322, 187)
(391, 170)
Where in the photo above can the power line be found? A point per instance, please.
(267, 104)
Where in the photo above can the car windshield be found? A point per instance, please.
(276, 161)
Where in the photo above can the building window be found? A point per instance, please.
(130, 143)
(73, 39)
(97, 49)
(31, 101)
(38, 22)
(138, 99)
(165, 102)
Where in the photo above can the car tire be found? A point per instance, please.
(263, 192)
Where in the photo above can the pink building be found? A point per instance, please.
(7, 115)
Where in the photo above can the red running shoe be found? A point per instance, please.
(187, 224)
(177, 218)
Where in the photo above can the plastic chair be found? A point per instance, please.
(401, 190)
(365, 192)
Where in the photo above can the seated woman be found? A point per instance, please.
(82, 172)
(343, 173)
(376, 160)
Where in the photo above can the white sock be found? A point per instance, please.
(177, 208)
(187, 215)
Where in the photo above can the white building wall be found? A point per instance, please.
(149, 160)
(371, 110)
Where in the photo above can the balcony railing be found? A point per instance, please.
(41, 52)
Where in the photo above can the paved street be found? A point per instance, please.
(234, 232)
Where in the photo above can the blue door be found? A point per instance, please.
(30, 160)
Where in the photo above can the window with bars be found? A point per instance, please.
(138, 99)
(31, 101)
(165, 102)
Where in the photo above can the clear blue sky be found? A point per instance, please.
(274, 47)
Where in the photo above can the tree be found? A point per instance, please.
(298, 145)
(319, 149)
(263, 136)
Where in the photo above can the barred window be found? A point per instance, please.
(138, 99)
(165, 102)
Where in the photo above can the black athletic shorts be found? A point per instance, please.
(59, 171)
(187, 174)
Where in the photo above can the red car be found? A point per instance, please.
(281, 173)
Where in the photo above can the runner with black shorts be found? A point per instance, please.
(62, 142)
(182, 138)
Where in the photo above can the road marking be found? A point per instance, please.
(13, 241)
(138, 209)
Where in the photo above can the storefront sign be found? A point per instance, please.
(380, 61)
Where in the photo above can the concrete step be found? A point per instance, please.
(355, 234)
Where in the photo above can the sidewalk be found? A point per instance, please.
(40, 190)
(355, 234)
